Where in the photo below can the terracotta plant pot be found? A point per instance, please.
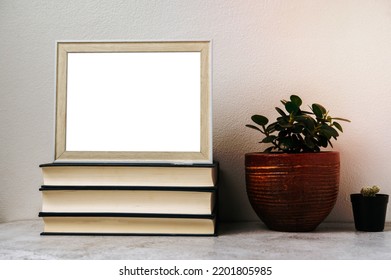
(369, 212)
(292, 192)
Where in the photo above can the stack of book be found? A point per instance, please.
(129, 199)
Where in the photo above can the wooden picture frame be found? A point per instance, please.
(133, 102)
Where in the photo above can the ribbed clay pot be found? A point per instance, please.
(292, 192)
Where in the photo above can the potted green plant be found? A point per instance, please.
(369, 209)
(292, 185)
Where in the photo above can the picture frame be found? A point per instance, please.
(133, 102)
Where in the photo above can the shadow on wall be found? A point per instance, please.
(233, 202)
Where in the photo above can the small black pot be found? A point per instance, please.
(369, 212)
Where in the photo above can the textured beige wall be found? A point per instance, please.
(337, 53)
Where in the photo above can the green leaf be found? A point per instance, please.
(253, 127)
(309, 142)
(268, 150)
(269, 139)
(307, 121)
(296, 100)
(338, 126)
(341, 119)
(278, 127)
(283, 120)
(328, 131)
(307, 112)
(291, 107)
(283, 133)
(286, 125)
(271, 128)
(261, 120)
(286, 143)
(281, 112)
(297, 128)
(333, 131)
(322, 141)
(282, 123)
(318, 110)
(324, 111)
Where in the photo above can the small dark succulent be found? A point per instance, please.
(297, 131)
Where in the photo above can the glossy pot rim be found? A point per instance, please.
(281, 154)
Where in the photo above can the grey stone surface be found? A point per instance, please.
(21, 240)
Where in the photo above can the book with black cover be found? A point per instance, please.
(130, 199)
(128, 224)
(130, 174)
